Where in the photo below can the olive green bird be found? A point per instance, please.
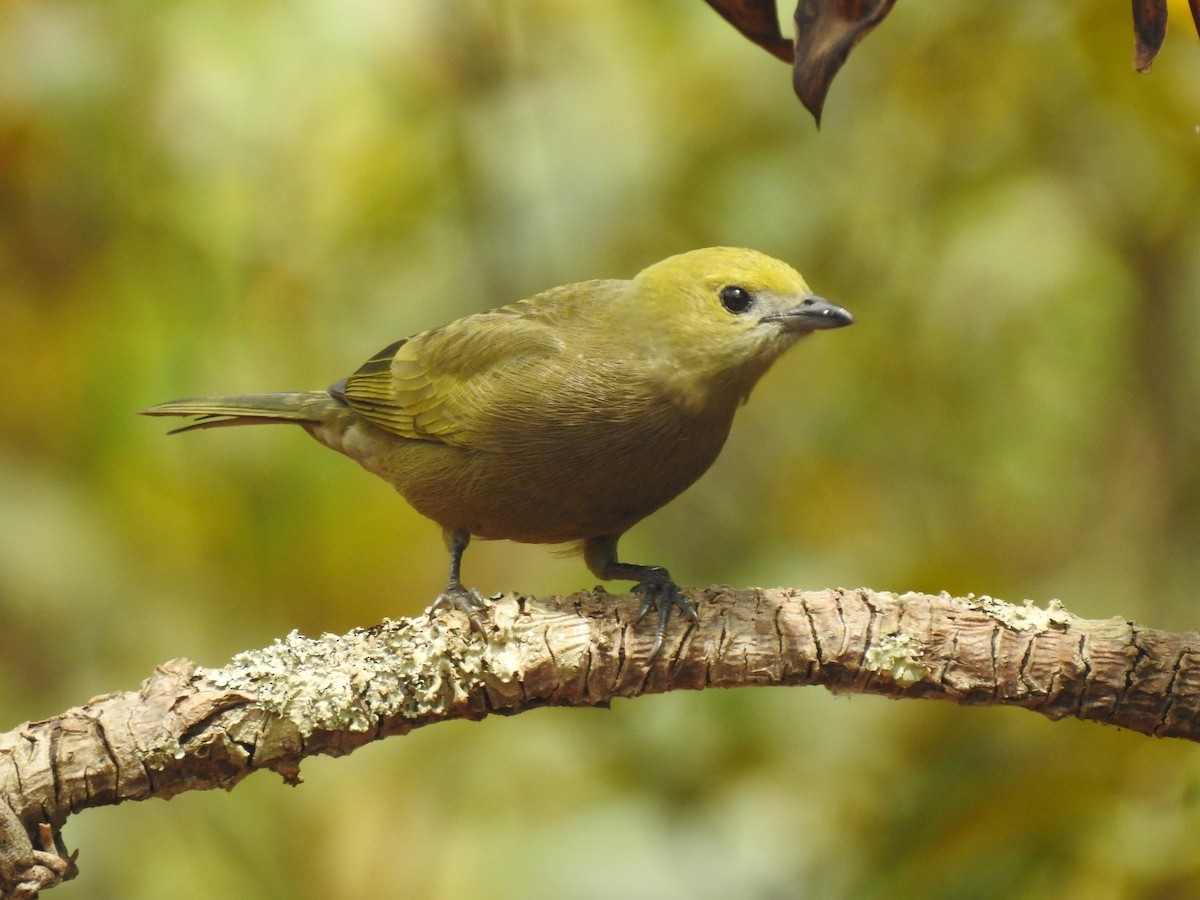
(566, 417)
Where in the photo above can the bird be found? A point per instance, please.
(563, 418)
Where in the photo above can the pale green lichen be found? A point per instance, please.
(158, 753)
(1027, 616)
(350, 682)
(898, 656)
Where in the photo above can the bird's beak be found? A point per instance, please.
(811, 314)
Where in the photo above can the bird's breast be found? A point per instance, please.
(547, 479)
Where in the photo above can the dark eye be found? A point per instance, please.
(736, 299)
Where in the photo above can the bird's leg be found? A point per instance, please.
(654, 583)
(455, 596)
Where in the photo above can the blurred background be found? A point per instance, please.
(208, 197)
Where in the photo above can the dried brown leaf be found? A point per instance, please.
(757, 20)
(826, 32)
(1149, 29)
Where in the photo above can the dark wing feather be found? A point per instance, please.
(441, 384)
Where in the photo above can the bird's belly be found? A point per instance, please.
(544, 488)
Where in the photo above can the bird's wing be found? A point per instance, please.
(439, 385)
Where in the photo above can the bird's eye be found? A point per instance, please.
(736, 299)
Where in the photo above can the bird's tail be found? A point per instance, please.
(249, 409)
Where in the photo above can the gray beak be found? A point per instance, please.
(812, 314)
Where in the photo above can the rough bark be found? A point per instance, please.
(193, 728)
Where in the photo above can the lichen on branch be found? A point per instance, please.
(192, 727)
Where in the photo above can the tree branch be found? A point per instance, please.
(195, 728)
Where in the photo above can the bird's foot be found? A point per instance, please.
(455, 596)
(659, 592)
(467, 601)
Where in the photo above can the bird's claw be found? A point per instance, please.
(467, 601)
(455, 596)
(659, 592)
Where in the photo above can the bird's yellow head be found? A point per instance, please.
(728, 312)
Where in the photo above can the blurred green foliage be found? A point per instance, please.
(205, 197)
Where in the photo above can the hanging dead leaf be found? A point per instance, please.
(1149, 29)
(826, 32)
(757, 20)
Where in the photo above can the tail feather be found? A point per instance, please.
(248, 409)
